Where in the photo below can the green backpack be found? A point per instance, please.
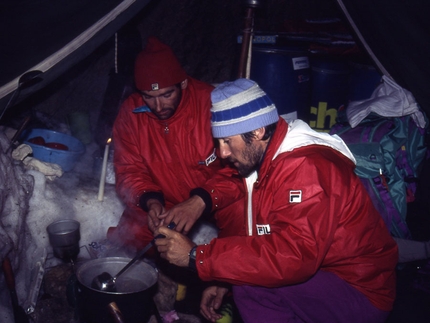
(389, 152)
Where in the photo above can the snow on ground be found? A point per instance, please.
(29, 203)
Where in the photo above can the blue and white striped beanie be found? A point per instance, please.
(239, 107)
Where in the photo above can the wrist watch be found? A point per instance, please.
(192, 262)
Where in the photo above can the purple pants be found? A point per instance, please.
(325, 298)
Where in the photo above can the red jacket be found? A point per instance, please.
(167, 156)
(171, 157)
(310, 212)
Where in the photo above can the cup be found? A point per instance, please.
(64, 236)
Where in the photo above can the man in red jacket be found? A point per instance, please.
(315, 250)
(163, 148)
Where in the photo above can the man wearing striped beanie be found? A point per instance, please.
(316, 249)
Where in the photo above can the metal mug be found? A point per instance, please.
(64, 236)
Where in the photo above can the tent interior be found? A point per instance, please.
(66, 67)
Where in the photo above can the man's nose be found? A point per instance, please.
(224, 152)
(157, 103)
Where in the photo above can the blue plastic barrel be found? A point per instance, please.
(363, 81)
(330, 85)
(284, 74)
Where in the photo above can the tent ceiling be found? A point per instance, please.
(52, 36)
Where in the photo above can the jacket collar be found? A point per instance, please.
(296, 134)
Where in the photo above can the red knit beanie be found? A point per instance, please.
(157, 67)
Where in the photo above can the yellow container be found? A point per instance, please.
(181, 292)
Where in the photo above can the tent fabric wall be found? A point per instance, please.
(52, 36)
(396, 35)
(395, 31)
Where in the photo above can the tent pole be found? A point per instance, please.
(248, 32)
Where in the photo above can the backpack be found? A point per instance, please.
(389, 152)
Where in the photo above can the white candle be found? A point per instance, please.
(103, 174)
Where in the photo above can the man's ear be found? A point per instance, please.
(259, 133)
(184, 84)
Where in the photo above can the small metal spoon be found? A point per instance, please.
(106, 283)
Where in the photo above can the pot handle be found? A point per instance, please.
(115, 313)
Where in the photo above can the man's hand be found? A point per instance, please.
(185, 214)
(174, 247)
(155, 210)
(211, 301)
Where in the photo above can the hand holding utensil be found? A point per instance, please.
(106, 283)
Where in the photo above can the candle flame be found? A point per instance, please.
(109, 140)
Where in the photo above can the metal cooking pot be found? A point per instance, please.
(135, 289)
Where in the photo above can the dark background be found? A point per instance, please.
(203, 34)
